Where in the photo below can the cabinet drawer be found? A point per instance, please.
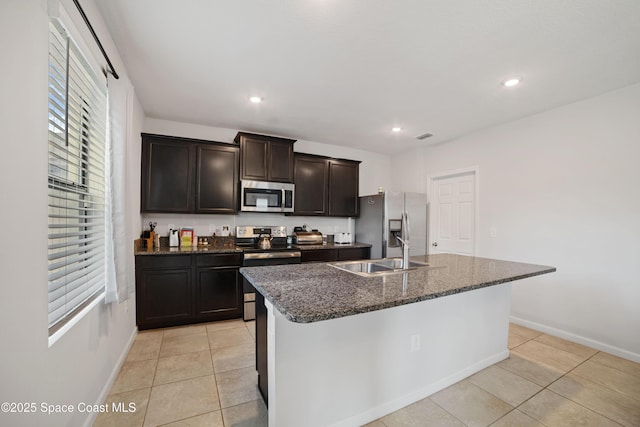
(320, 255)
(218, 260)
(163, 261)
(348, 254)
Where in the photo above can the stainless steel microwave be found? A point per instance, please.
(262, 196)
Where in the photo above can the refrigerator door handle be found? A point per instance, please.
(405, 226)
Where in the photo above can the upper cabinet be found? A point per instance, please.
(311, 176)
(343, 188)
(184, 175)
(167, 174)
(265, 158)
(216, 178)
(325, 186)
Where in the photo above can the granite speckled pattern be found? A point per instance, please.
(166, 250)
(217, 247)
(333, 246)
(308, 293)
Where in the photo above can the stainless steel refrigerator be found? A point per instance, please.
(380, 222)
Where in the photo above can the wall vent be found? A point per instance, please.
(424, 136)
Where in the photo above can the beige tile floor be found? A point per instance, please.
(204, 375)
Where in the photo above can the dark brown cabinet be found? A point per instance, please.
(343, 188)
(335, 254)
(325, 186)
(261, 348)
(167, 175)
(216, 179)
(311, 176)
(180, 289)
(265, 158)
(184, 175)
(218, 287)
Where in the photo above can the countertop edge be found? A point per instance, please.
(390, 304)
(398, 303)
(166, 250)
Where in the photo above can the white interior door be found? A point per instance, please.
(453, 214)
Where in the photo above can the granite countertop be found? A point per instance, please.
(306, 293)
(333, 246)
(217, 245)
(226, 247)
(166, 250)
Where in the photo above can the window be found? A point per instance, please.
(76, 180)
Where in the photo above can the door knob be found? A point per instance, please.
(434, 244)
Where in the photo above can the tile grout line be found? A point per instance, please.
(215, 377)
(536, 393)
(571, 400)
(146, 411)
(597, 384)
(517, 374)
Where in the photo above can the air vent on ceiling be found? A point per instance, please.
(424, 136)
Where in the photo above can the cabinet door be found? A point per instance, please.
(254, 158)
(163, 297)
(343, 188)
(319, 255)
(218, 294)
(217, 179)
(280, 164)
(349, 254)
(311, 179)
(262, 361)
(167, 175)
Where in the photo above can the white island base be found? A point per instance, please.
(352, 370)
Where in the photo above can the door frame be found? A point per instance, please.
(475, 170)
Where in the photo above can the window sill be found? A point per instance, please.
(60, 332)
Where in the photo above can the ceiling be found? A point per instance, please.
(345, 72)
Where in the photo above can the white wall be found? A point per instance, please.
(561, 188)
(79, 366)
(374, 173)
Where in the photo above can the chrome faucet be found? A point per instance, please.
(404, 241)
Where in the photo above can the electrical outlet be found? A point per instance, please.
(415, 342)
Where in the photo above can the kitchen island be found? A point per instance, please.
(341, 349)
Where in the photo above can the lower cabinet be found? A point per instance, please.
(180, 289)
(261, 348)
(335, 254)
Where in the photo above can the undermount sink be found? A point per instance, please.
(377, 267)
(396, 263)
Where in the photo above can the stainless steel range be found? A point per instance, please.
(262, 245)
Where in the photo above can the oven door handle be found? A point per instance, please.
(272, 255)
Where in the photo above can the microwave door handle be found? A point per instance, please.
(282, 202)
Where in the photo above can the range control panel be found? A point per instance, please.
(248, 231)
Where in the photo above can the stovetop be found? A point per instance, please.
(248, 236)
(254, 249)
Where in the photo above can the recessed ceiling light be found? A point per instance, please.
(255, 99)
(512, 81)
(396, 129)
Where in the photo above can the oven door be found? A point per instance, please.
(259, 259)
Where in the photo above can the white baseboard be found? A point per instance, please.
(428, 390)
(112, 377)
(579, 339)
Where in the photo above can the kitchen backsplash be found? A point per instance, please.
(204, 225)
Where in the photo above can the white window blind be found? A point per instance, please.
(76, 180)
